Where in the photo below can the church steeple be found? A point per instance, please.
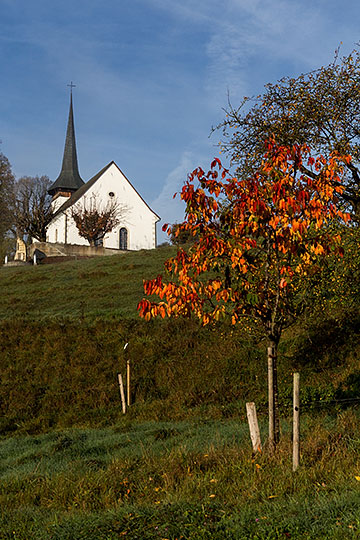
(69, 179)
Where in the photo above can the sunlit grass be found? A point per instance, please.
(84, 289)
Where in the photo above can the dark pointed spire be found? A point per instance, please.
(69, 179)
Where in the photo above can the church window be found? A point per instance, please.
(111, 194)
(123, 238)
(56, 235)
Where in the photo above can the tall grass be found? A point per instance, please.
(60, 374)
(191, 480)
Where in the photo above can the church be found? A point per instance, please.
(137, 222)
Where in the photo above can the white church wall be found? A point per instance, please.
(136, 217)
(62, 230)
(56, 230)
(59, 201)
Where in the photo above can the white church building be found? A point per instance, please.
(137, 222)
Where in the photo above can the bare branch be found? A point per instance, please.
(32, 206)
(94, 221)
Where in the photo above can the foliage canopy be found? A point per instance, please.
(320, 109)
(258, 240)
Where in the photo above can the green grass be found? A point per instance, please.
(58, 374)
(179, 464)
(102, 287)
(193, 480)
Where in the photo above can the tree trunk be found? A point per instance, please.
(274, 426)
(356, 209)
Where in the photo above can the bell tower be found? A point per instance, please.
(69, 179)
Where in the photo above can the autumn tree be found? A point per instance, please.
(257, 239)
(32, 206)
(320, 108)
(94, 221)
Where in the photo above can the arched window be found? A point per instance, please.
(123, 238)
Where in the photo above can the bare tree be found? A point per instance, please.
(6, 192)
(94, 221)
(33, 211)
(6, 199)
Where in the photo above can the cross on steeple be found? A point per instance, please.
(71, 86)
(69, 179)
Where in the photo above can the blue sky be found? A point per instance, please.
(152, 78)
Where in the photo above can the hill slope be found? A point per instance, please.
(102, 287)
(63, 328)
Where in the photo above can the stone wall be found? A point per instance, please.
(71, 250)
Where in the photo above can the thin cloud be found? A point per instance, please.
(170, 209)
(152, 77)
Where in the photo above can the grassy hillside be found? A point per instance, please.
(103, 287)
(179, 464)
(62, 332)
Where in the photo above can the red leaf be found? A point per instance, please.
(216, 162)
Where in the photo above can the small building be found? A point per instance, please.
(137, 222)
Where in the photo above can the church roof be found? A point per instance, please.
(83, 189)
(69, 178)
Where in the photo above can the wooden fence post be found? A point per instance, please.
(270, 354)
(254, 427)
(122, 394)
(296, 422)
(127, 375)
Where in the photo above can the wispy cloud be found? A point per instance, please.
(170, 208)
(251, 42)
(152, 77)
